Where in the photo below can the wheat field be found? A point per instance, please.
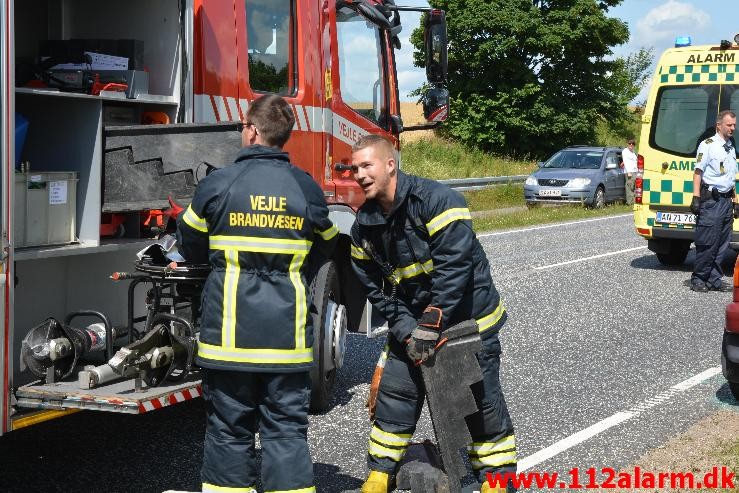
(412, 114)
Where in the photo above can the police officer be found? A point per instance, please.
(414, 250)
(256, 222)
(714, 204)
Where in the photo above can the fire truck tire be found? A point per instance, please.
(734, 387)
(676, 255)
(325, 288)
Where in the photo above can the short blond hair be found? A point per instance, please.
(378, 142)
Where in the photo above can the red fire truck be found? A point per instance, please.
(79, 80)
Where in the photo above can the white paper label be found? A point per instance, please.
(57, 192)
(36, 178)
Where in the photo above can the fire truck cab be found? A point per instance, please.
(81, 81)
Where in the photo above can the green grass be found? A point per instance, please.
(442, 160)
(543, 215)
(503, 207)
(496, 197)
(607, 134)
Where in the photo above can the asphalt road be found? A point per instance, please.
(599, 337)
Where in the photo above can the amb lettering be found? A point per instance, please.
(265, 216)
(682, 166)
(712, 58)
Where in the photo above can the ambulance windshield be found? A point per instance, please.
(686, 115)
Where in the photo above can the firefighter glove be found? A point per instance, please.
(695, 205)
(422, 344)
(736, 210)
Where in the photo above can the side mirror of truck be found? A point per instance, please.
(435, 41)
(436, 104)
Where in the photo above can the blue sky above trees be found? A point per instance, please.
(652, 23)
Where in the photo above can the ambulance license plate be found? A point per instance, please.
(675, 218)
(550, 192)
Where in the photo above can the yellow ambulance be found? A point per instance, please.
(691, 85)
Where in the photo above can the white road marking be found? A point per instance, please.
(547, 226)
(616, 419)
(590, 258)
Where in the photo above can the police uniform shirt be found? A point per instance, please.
(717, 159)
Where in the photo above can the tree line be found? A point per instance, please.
(527, 77)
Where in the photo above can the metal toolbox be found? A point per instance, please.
(45, 208)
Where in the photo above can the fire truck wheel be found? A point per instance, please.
(734, 387)
(325, 288)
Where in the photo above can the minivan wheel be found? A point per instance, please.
(599, 199)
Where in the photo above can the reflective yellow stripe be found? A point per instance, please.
(383, 356)
(446, 217)
(381, 452)
(259, 355)
(39, 417)
(328, 233)
(259, 245)
(358, 253)
(494, 460)
(312, 489)
(484, 323)
(208, 488)
(230, 287)
(301, 308)
(194, 221)
(487, 448)
(391, 439)
(227, 351)
(413, 270)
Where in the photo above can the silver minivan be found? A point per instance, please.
(589, 175)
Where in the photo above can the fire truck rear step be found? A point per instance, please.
(118, 397)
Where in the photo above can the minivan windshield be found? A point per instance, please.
(686, 115)
(576, 159)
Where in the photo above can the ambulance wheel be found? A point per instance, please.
(325, 288)
(676, 254)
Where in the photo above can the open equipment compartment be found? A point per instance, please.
(66, 133)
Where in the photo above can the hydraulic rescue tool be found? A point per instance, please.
(163, 350)
(448, 377)
(167, 346)
(52, 350)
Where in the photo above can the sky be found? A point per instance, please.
(652, 23)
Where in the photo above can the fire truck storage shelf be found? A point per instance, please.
(116, 397)
(66, 132)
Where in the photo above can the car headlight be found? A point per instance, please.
(579, 182)
(531, 180)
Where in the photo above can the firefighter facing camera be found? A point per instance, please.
(424, 270)
(715, 205)
(256, 222)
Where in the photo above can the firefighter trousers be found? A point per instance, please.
(236, 402)
(400, 400)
